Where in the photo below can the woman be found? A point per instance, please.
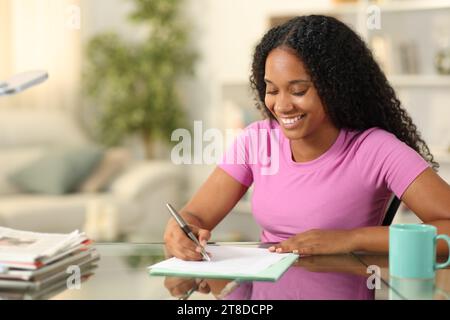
(346, 145)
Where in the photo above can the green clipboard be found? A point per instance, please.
(270, 274)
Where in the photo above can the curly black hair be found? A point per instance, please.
(353, 89)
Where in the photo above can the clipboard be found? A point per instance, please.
(269, 274)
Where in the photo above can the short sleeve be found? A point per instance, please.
(386, 161)
(235, 161)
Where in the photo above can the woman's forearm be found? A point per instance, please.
(371, 239)
(376, 239)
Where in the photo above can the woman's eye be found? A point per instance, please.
(271, 92)
(299, 94)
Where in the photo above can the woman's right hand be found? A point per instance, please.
(212, 202)
(179, 245)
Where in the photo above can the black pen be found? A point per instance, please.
(184, 226)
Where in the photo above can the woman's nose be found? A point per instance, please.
(283, 104)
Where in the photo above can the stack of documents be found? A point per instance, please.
(38, 261)
(229, 262)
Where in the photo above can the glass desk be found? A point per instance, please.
(121, 273)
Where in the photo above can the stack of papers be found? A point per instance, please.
(229, 262)
(36, 261)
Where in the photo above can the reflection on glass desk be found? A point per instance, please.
(411, 289)
(121, 273)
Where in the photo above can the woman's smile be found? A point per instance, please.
(291, 123)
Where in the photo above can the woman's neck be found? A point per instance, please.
(314, 145)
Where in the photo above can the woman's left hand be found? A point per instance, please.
(318, 242)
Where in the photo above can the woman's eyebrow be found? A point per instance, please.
(299, 81)
(290, 82)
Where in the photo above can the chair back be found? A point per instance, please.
(391, 210)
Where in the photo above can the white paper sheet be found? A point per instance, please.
(226, 259)
(26, 246)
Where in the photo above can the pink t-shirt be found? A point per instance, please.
(347, 187)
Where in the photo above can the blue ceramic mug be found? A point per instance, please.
(412, 251)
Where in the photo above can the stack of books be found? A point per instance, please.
(38, 263)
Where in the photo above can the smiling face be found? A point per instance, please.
(292, 98)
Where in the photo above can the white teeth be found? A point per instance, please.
(292, 120)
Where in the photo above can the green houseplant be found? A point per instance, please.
(132, 86)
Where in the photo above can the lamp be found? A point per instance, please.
(22, 82)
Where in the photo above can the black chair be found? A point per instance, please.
(391, 211)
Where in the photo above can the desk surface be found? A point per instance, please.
(121, 273)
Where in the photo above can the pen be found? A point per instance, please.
(183, 225)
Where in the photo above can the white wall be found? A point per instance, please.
(107, 15)
(38, 38)
(5, 40)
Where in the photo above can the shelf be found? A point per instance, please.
(443, 159)
(420, 80)
(441, 155)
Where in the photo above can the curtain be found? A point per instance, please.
(42, 34)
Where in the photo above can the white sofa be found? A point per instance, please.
(134, 202)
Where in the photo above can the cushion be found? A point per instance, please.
(12, 159)
(59, 171)
(113, 163)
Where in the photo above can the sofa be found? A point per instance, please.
(131, 206)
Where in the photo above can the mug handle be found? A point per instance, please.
(445, 264)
